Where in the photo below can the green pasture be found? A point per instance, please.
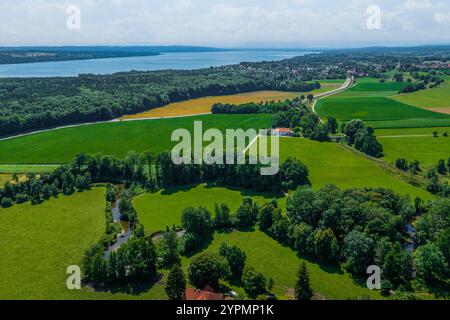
(158, 210)
(415, 144)
(281, 264)
(369, 100)
(115, 138)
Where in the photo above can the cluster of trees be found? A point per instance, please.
(413, 167)
(38, 188)
(133, 262)
(199, 225)
(359, 228)
(362, 137)
(292, 172)
(434, 184)
(412, 88)
(432, 257)
(355, 228)
(424, 81)
(252, 107)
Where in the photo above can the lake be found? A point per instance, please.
(179, 61)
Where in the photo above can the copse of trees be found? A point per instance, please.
(362, 138)
(133, 262)
(253, 107)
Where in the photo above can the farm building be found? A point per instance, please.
(195, 294)
(282, 132)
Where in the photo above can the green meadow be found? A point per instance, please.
(415, 144)
(281, 264)
(331, 163)
(370, 100)
(44, 240)
(115, 138)
(19, 168)
(433, 99)
(158, 210)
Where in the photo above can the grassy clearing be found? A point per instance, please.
(281, 264)
(427, 149)
(158, 210)
(203, 105)
(115, 138)
(39, 242)
(370, 101)
(331, 163)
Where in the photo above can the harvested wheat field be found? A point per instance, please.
(203, 105)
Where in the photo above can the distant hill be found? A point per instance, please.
(429, 49)
(9, 55)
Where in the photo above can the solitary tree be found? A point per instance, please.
(442, 167)
(303, 290)
(176, 283)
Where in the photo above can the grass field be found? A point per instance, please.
(203, 105)
(39, 242)
(43, 240)
(158, 210)
(281, 264)
(420, 145)
(117, 138)
(436, 99)
(26, 168)
(331, 163)
(369, 100)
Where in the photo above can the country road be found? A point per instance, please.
(347, 84)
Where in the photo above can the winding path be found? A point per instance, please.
(347, 84)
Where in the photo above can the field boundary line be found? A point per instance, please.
(406, 136)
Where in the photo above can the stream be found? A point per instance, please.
(410, 244)
(126, 233)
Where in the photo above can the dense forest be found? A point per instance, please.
(35, 103)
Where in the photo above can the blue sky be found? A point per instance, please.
(225, 23)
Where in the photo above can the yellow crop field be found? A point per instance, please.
(4, 178)
(203, 105)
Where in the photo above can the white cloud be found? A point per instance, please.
(304, 23)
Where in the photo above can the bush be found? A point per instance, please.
(6, 202)
(254, 282)
(235, 257)
(207, 269)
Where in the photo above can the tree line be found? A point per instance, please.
(150, 171)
